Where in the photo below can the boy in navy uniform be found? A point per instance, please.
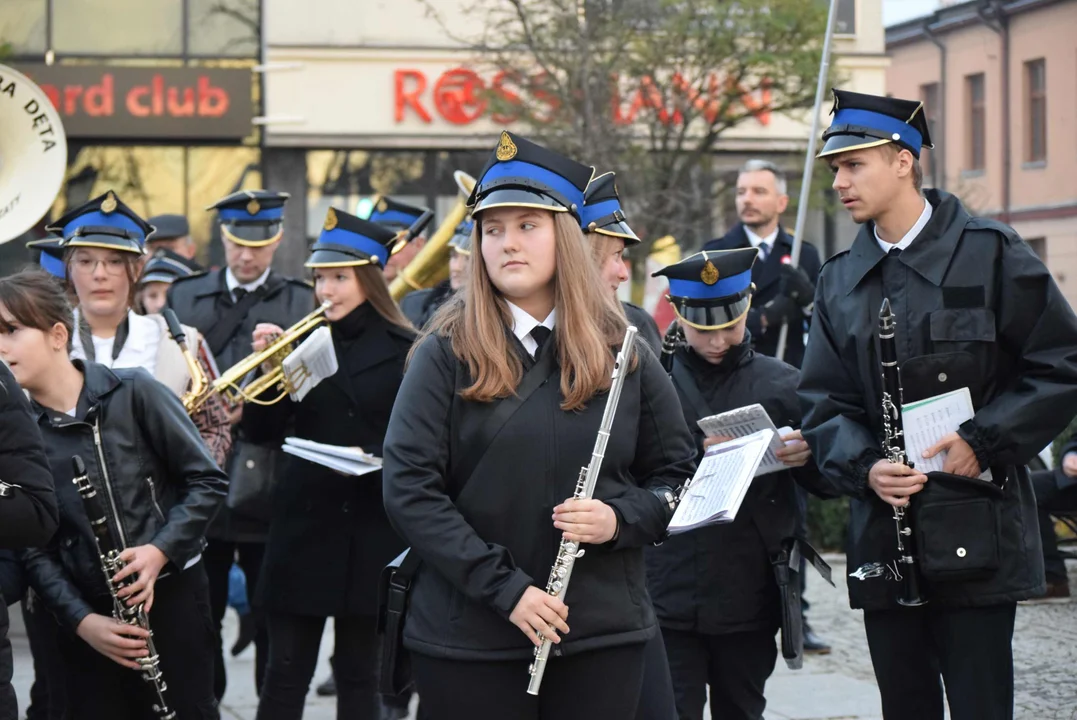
(716, 590)
(974, 308)
(398, 216)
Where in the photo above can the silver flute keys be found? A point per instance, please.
(568, 552)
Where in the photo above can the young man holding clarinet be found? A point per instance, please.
(972, 307)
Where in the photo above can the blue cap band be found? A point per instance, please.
(339, 236)
(392, 216)
(599, 210)
(241, 214)
(878, 121)
(115, 219)
(698, 290)
(518, 168)
(52, 265)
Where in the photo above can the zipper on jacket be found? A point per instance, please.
(153, 498)
(104, 476)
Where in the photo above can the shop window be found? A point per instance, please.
(929, 96)
(117, 27)
(22, 27)
(223, 28)
(1036, 113)
(975, 118)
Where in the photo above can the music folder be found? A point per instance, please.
(345, 460)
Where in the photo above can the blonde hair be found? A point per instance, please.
(589, 324)
(372, 280)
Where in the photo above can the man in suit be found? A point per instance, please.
(1056, 492)
(782, 292)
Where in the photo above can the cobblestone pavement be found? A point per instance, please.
(839, 686)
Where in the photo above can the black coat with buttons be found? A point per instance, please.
(329, 537)
(719, 579)
(975, 307)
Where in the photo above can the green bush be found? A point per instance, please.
(1056, 446)
(827, 523)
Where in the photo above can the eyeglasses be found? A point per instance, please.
(88, 266)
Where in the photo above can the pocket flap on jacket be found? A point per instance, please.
(963, 325)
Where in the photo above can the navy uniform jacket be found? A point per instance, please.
(484, 539)
(419, 306)
(974, 307)
(719, 579)
(201, 301)
(318, 513)
(767, 278)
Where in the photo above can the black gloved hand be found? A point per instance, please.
(780, 309)
(797, 286)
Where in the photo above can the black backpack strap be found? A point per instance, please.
(691, 390)
(221, 333)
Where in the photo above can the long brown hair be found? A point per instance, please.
(372, 282)
(589, 324)
(35, 299)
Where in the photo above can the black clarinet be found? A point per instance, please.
(894, 446)
(109, 549)
(673, 339)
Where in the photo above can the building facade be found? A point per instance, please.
(997, 82)
(387, 97)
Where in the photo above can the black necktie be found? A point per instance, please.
(239, 293)
(894, 252)
(540, 333)
(764, 251)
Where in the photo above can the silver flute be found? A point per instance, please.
(569, 551)
(109, 550)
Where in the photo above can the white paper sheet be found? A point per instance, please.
(339, 451)
(310, 363)
(925, 422)
(721, 482)
(743, 422)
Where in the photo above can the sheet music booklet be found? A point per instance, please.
(927, 421)
(745, 421)
(310, 363)
(718, 488)
(347, 460)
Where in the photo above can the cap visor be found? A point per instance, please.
(333, 257)
(712, 317)
(517, 197)
(847, 143)
(153, 277)
(252, 235)
(619, 230)
(105, 242)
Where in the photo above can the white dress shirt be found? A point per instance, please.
(906, 241)
(523, 324)
(758, 241)
(231, 282)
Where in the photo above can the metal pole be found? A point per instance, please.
(809, 162)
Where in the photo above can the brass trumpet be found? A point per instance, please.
(431, 265)
(230, 385)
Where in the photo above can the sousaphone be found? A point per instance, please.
(431, 264)
(33, 154)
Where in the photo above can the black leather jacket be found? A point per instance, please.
(144, 455)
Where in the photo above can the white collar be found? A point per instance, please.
(906, 241)
(523, 323)
(757, 240)
(232, 283)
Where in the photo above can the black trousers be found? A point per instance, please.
(183, 634)
(218, 559)
(735, 666)
(294, 641)
(915, 650)
(1050, 499)
(47, 694)
(656, 700)
(596, 685)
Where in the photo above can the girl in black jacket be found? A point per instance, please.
(481, 493)
(329, 537)
(145, 456)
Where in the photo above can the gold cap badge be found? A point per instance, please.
(709, 274)
(109, 203)
(330, 219)
(253, 207)
(506, 148)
